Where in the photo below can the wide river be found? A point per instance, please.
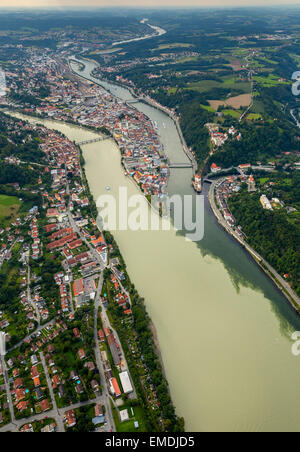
(223, 328)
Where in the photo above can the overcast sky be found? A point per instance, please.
(142, 3)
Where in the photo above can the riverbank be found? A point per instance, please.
(178, 281)
(148, 101)
(263, 264)
(158, 32)
(79, 134)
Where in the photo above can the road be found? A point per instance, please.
(29, 297)
(9, 251)
(261, 261)
(56, 413)
(51, 414)
(92, 250)
(60, 421)
(107, 324)
(7, 388)
(109, 416)
(30, 336)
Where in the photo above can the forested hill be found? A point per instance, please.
(262, 142)
(21, 144)
(275, 235)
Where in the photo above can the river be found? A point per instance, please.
(223, 327)
(157, 32)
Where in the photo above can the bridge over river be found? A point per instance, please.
(95, 140)
(180, 165)
(136, 100)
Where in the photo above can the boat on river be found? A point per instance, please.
(197, 183)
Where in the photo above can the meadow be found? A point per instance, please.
(9, 206)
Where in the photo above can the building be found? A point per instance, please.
(114, 387)
(70, 418)
(115, 354)
(215, 169)
(125, 382)
(251, 184)
(245, 166)
(265, 202)
(101, 336)
(81, 354)
(78, 287)
(27, 428)
(45, 405)
(124, 416)
(98, 410)
(49, 428)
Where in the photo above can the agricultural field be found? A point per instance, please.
(270, 81)
(228, 83)
(236, 102)
(174, 45)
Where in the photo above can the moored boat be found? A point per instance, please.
(197, 183)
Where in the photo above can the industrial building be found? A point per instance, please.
(126, 383)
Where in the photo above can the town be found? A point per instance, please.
(65, 367)
(89, 105)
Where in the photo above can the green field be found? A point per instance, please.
(187, 59)
(264, 180)
(270, 81)
(233, 113)
(296, 58)
(254, 116)
(128, 426)
(208, 108)
(175, 45)
(226, 82)
(9, 206)
(269, 61)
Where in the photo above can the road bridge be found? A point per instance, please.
(95, 140)
(180, 165)
(134, 101)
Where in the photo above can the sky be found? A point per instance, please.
(141, 3)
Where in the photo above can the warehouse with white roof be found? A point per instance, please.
(126, 383)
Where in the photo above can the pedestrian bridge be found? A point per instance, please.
(95, 140)
(180, 165)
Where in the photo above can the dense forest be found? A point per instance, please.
(271, 234)
(18, 142)
(17, 174)
(193, 119)
(261, 143)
